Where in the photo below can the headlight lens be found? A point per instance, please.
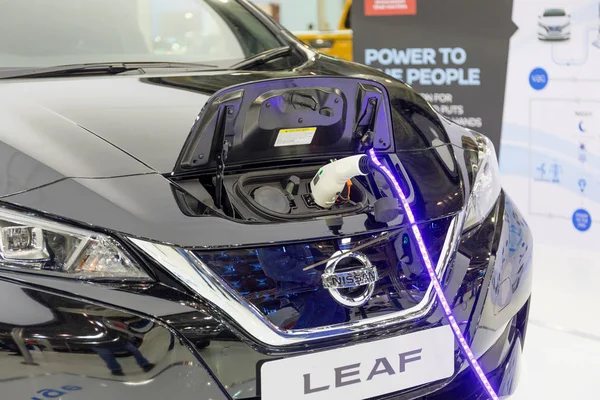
(486, 187)
(33, 244)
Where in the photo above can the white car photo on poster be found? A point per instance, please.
(554, 24)
(597, 41)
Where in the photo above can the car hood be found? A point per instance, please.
(555, 21)
(128, 114)
(98, 150)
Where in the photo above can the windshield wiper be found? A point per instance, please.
(97, 68)
(263, 58)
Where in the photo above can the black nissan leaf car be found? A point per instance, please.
(196, 205)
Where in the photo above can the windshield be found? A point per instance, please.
(46, 33)
(555, 12)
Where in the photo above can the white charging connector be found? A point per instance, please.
(330, 180)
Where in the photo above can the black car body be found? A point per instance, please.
(160, 165)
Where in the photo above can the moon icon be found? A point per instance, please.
(581, 127)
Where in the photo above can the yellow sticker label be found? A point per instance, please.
(295, 137)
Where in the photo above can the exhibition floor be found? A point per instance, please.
(562, 350)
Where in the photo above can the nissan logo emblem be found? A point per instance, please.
(352, 276)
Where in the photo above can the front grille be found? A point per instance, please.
(274, 280)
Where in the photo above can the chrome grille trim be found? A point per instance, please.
(199, 278)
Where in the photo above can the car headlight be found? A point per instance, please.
(33, 244)
(542, 25)
(486, 181)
